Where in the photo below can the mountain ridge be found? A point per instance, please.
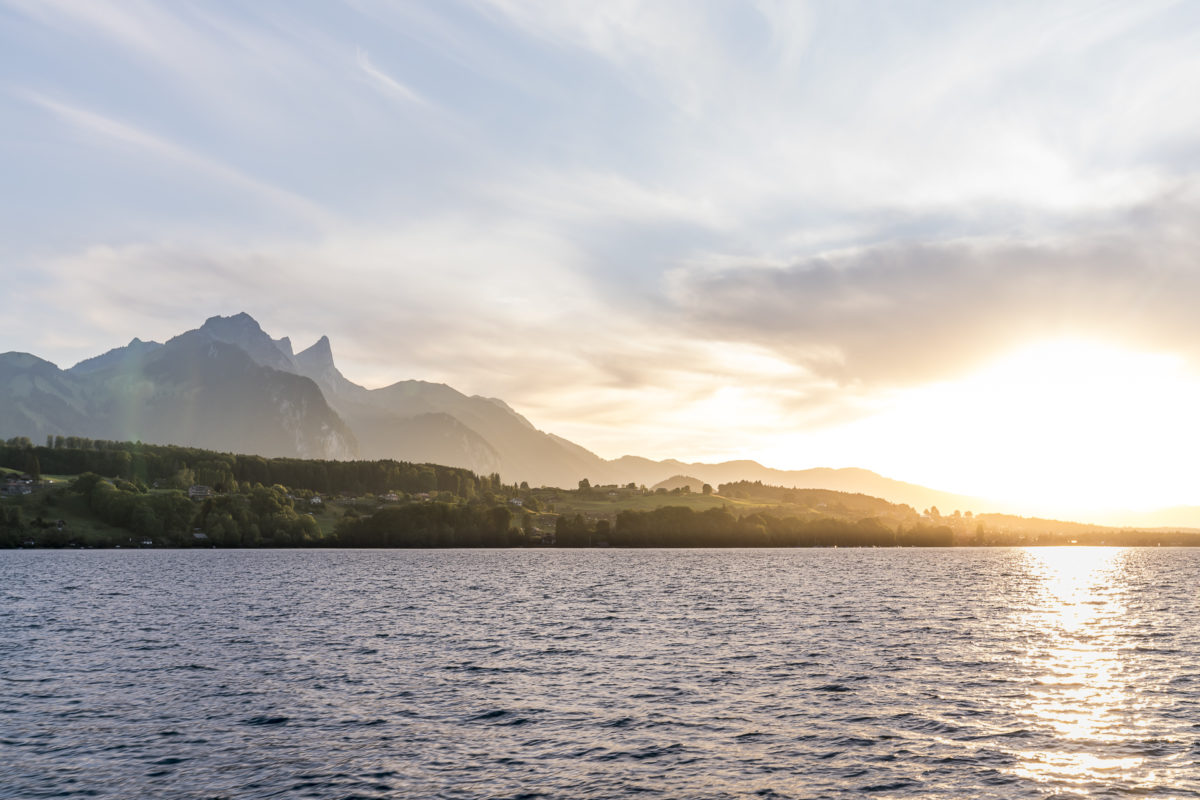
(192, 390)
(270, 398)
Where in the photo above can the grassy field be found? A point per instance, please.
(59, 480)
(52, 504)
(330, 517)
(72, 509)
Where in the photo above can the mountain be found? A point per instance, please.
(643, 471)
(37, 398)
(228, 385)
(417, 420)
(116, 357)
(1173, 518)
(244, 332)
(193, 390)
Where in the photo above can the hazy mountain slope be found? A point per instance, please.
(418, 429)
(638, 470)
(434, 438)
(643, 471)
(1174, 517)
(193, 390)
(208, 393)
(421, 431)
(116, 357)
(480, 433)
(38, 399)
(525, 452)
(678, 482)
(351, 421)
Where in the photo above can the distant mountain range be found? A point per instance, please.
(229, 386)
(196, 390)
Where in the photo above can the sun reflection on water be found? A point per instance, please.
(1081, 696)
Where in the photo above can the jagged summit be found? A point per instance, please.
(320, 352)
(244, 331)
(236, 329)
(240, 318)
(316, 362)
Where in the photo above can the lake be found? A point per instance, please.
(890, 673)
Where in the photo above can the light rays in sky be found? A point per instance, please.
(954, 244)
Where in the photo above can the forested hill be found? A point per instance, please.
(122, 494)
(181, 467)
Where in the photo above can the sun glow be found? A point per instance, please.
(1065, 428)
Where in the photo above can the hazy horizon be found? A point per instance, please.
(952, 244)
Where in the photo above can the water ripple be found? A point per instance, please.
(1005, 673)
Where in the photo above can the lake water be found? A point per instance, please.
(1006, 673)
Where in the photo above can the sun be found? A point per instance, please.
(1073, 428)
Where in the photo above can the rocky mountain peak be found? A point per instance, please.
(319, 354)
(243, 331)
(240, 318)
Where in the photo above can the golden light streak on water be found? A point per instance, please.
(1082, 694)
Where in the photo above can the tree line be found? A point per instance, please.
(679, 526)
(178, 467)
(140, 490)
(431, 525)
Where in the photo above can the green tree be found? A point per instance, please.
(145, 522)
(182, 479)
(11, 526)
(33, 466)
(572, 531)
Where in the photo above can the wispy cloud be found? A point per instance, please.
(200, 166)
(620, 217)
(386, 82)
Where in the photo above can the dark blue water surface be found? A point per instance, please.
(1056, 672)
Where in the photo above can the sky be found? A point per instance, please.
(955, 243)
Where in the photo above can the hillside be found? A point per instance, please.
(108, 494)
